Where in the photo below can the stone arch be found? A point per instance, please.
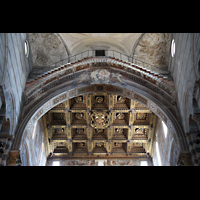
(64, 93)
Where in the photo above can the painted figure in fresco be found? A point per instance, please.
(115, 77)
(83, 78)
(100, 76)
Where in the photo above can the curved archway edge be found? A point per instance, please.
(159, 106)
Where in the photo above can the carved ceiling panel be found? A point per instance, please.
(100, 125)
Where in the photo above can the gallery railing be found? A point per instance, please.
(108, 54)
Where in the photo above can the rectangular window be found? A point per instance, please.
(56, 163)
(143, 163)
(101, 162)
(99, 52)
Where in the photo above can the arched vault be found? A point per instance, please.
(68, 81)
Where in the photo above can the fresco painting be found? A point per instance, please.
(100, 76)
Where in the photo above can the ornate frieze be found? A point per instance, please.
(98, 76)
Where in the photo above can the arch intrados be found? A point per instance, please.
(46, 104)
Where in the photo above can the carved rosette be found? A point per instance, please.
(99, 119)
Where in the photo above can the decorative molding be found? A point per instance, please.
(140, 99)
(67, 73)
(163, 117)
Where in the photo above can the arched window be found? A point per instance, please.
(165, 129)
(26, 48)
(173, 48)
(158, 154)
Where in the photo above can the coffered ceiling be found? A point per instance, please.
(100, 125)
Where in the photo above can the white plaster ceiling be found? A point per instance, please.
(152, 48)
(123, 42)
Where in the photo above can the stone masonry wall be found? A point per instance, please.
(14, 70)
(184, 69)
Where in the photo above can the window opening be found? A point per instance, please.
(56, 163)
(158, 154)
(26, 48)
(173, 48)
(99, 52)
(143, 163)
(101, 162)
(165, 129)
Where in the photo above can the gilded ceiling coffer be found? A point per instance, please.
(101, 124)
(100, 119)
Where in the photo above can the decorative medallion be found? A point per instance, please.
(99, 99)
(99, 119)
(72, 93)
